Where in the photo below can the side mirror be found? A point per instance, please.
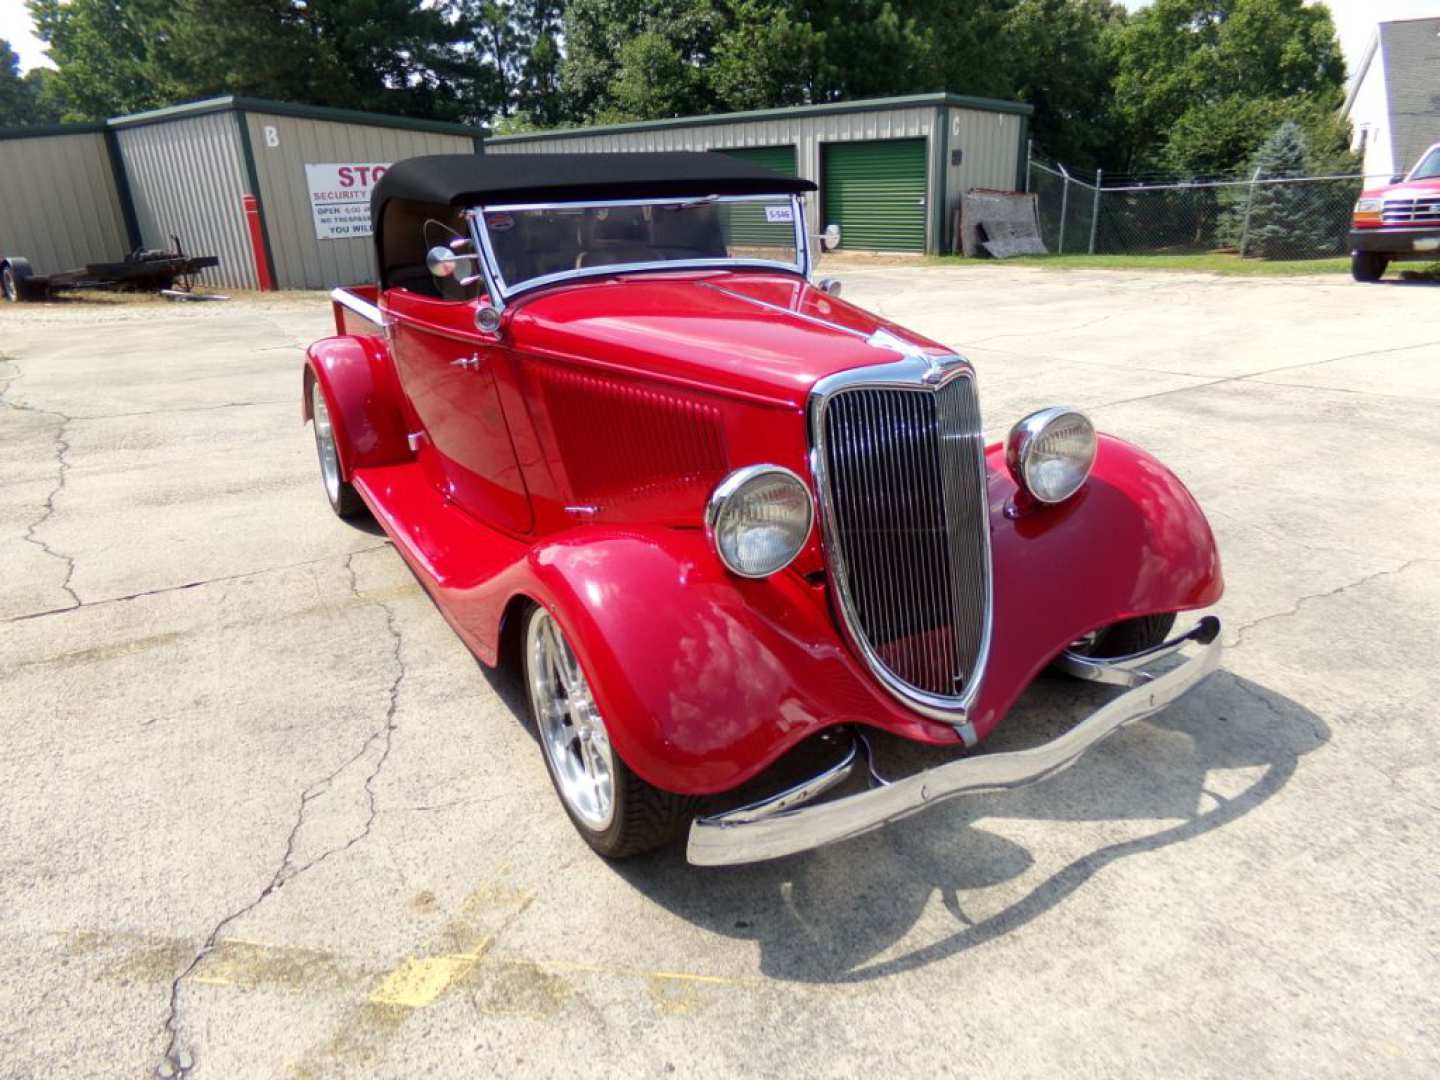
(441, 261)
(830, 238)
(829, 285)
(1398, 178)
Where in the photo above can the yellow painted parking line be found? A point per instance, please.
(419, 980)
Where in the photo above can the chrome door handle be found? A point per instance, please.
(466, 363)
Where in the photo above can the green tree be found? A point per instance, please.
(1183, 66)
(100, 53)
(1060, 60)
(1286, 221)
(21, 101)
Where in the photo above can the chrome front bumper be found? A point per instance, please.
(786, 824)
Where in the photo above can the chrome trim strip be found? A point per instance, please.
(919, 374)
(724, 841)
(363, 308)
(783, 310)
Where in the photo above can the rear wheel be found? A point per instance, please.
(616, 812)
(343, 498)
(1368, 266)
(9, 287)
(1125, 638)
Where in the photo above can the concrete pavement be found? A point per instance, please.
(263, 815)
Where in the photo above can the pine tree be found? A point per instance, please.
(1286, 221)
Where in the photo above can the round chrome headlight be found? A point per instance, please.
(758, 519)
(1050, 453)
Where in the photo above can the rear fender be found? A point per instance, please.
(357, 376)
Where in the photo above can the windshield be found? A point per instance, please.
(1429, 169)
(529, 244)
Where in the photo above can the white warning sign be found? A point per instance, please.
(340, 198)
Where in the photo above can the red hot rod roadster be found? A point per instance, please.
(714, 512)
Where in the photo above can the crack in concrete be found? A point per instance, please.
(62, 448)
(175, 1059)
(181, 409)
(1302, 601)
(187, 585)
(1257, 376)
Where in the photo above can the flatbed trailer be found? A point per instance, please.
(143, 270)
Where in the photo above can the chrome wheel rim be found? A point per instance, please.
(572, 732)
(325, 443)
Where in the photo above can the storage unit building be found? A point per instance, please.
(60, 197)
(891, 171)
(308, 169)
(279, 192)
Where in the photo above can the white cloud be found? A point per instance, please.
(16, 28)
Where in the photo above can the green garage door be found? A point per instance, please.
(745, 226)
(875, 192)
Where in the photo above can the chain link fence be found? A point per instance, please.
(1301, 217)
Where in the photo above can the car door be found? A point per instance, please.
(448, 371)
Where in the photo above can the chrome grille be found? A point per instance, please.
(908, 528)
(1421, 211)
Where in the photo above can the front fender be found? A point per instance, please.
(1131, 542)
(705, 678)
(357, 376)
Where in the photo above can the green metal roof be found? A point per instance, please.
(49, 129)
(235, 103)
(829, 108)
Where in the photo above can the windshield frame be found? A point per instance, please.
(1433, 154)
(501, 291)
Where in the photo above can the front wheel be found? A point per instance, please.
(9, 286)
(1368, 266)
(616, 812)
(1126, 637)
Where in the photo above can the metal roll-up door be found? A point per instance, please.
(875, 192)
(745, 226)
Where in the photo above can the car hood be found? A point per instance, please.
(765, 336)
(1415, 189)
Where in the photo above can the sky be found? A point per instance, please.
(1355, 20)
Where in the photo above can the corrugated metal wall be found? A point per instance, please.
(187, 177)
(990, 145)
(806, 132)
(301, 260)
(58, 203)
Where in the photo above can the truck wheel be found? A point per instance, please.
(616, 812)
(1368, 266)
(344, 499)
(1124, 638)
(9, 287)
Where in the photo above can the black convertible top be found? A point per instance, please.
(470, 179)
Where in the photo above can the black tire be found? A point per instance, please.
(1368, 266)
(1129, 636)
(9, 287)
(344, 500)
(644, 817)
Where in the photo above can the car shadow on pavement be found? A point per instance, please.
(841, 914)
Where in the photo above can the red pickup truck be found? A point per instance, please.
(1397, 222)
